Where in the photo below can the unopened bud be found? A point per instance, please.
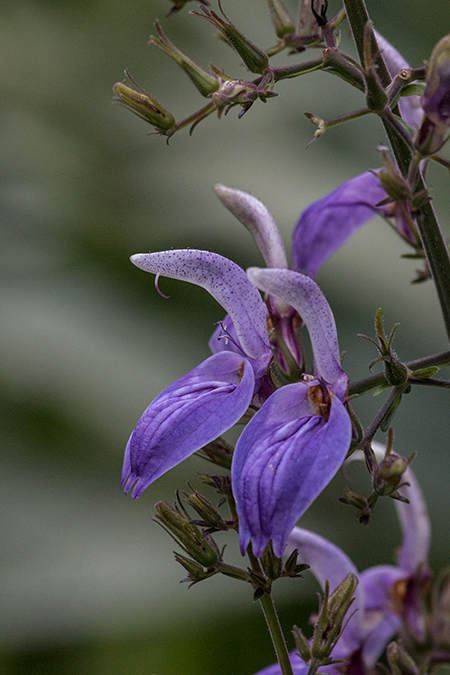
(388, 474)
(187, 535)
(205, 83)
(301, 643)
(144, 106)
(394, 184)
(280, 17)
(211, 517)
(400, 661)
(195, 571)
(331, 619)
(254, 58)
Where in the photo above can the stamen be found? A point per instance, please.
(158, 289)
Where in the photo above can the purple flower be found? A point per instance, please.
(296, 442)
(299, 437)
(386, 594)
(210, 399)
(326, 224)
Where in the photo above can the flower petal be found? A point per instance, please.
(283, 460)
(327, 223)
(410, 106)
(380, 621)
(256, 218)
(191, 412)
(225, 281)
(329, 563)
(415, 525)
(305, 296)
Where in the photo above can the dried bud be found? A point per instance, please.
(254, 58)
(205, 83)
(144, 106)
(202, 549)
(281, 20)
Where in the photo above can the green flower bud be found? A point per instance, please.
(301, 643)
(388, 474)
(205, 83)
(211, 517)
(281, 20)
(331, 618)
(400, 661)
(144, 106)
(254, 58)
(201, 549)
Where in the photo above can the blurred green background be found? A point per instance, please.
(88, 581)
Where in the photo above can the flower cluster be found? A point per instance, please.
(386, 597)
(300, 433)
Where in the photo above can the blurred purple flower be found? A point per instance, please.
(386, 594)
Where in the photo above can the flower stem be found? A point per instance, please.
(273, 622)
(276, 633)
(369, 383)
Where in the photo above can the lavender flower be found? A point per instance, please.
(299, 437)
(386, 594)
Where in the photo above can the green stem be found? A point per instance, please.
(273, 623)
(369, 383)
(276, 633)
(286, 72)
(358, 17)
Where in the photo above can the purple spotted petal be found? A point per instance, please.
(283, 460)
(327, 223)
(330, 563)
(256, 218)
(225, 281)
(191, 412)
(305, 296)
(410, 106)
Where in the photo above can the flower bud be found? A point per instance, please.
(281, 20)
(331, 619)
(211, 517)
(205, 83)
(400, 661)
(144, 106)
(388, 474)
(187, 535)
(301, 643)
(254, 58)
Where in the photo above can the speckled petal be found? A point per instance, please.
(191, 412)
(256, 218)
(302, 293)
(225, 281)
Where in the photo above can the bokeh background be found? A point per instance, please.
(88, 581)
